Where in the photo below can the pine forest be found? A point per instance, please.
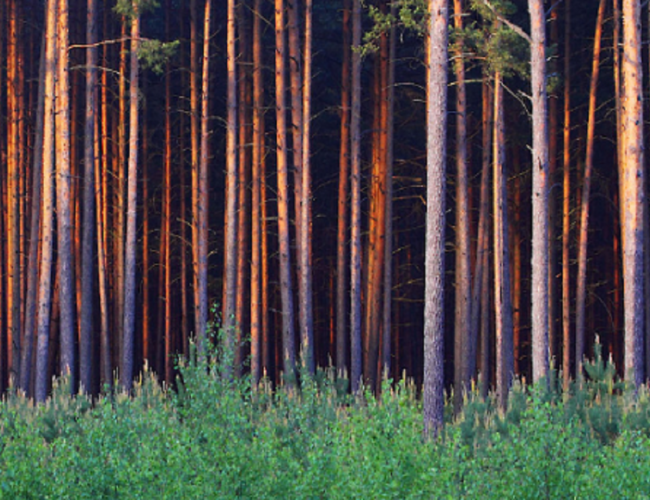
(442, 196)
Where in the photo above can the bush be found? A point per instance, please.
(218, 437)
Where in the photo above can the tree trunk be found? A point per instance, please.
(540, 257)
(306, 297)
(566, 205)
(87, 264)
(462, 275)
(47, 207)
(256, 184)
(632, 189)
(288, 346)
(344, 168)
(230, 266)
(243, 151)
(435, 220)
(13, 194)
(26, 363)
(63, 215)
(482, 238)
(388, 231)
(581, 286)
(355, 187)
(167, 207)
(126, 371)
(502, 298)
(201, 223)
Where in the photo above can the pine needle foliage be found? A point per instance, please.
(215, 436)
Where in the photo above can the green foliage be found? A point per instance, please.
(125, 7)
(154, 54)
(223, 437)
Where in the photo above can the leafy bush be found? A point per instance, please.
(219, 437)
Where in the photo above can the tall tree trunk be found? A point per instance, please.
(244, 152)
(126, 372)
(230, 266)
(342, 228)
(288, 345)
(295, 87)
(581, 286)
(26, 363)
(435, 219)
(479, 269)
(502, 297)
(257, 154)
(13, 193)
(355, 188)
(63, 215)
(167, 207)
(566, 204)
(86, 314)
(388, 231)
(47, 208)
(540, 258)
(119, 184)
(306, 297)
(377, 219)
(552, 169)
(462, 275)
(632, 189)
(201, 293)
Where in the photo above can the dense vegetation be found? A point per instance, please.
(218, 438)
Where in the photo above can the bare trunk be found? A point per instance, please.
(540, 257)
(480, 269)
(47, 207)
(126, 367)
(258, 152)
(435, 220)
(566, 205)
(87, 272)
(306, 297)
(34, 240)
(502, 297)
(632, 189)
(230, 266)
(355, 187)
(288, 346)
(344, 168)
(462, 276)
(63, 218)
(581, 291)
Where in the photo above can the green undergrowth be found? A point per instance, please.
(217, 438)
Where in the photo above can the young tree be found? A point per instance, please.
(435, 218)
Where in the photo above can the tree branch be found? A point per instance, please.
(510, 25)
